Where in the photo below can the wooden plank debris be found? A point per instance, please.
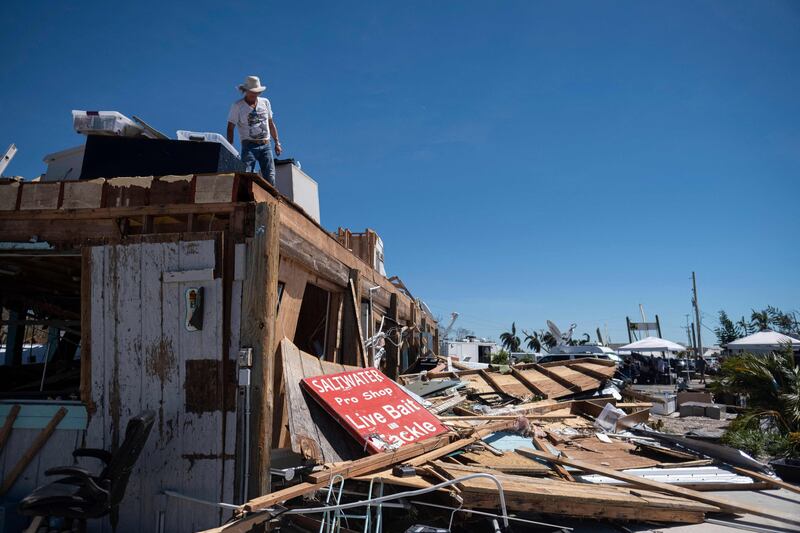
(544, 416)
(777, 483)
(564, 498)
(37, 444)
(723, 504)
(314, 433)
(560, 470)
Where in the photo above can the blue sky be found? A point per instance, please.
(522, 161)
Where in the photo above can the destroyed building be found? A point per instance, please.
(171, 293)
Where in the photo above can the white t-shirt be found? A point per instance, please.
(252, 123)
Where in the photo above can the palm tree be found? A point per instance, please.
(760, 320)
(510, 339)
(533, 341)
(549, 340)
(781, 321)
(772, 384)
(745, 326)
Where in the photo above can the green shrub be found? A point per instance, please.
(500, 358)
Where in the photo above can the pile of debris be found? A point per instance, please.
(484, 450)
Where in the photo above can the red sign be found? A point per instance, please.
(373, 408)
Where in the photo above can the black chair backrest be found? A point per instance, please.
(123, 461)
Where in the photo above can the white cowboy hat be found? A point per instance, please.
(252, 84)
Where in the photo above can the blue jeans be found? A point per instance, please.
(252, 152)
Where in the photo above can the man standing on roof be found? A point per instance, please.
(252, 116)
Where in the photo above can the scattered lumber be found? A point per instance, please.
(560, 470)
(37, 444)
(457, 445)
(508, 462)
(777, 483)
(556, 497)
(382, 460)
(722, 504)
(564, 498)
(546, 416)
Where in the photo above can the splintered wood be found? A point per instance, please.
(561, 498)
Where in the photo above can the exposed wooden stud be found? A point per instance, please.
(260, 301)
(8, 424)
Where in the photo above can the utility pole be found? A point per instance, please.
(697, 315)
(688, 332)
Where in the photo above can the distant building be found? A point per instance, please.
(471, 349)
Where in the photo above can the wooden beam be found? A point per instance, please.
(544, 416)
(777, 483)
(118, 212)
(723, 504)
(259, 305)
(591, 372)
(40, 440)
(378, 461)
(558, 379)
(528, 383)
(560, 470)
(352, 337)
(295, 247)
(5, 432)
(492, 383)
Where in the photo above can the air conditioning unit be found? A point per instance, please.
(297, 186)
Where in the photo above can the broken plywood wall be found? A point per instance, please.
(144, 357)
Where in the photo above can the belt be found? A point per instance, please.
(257, 141)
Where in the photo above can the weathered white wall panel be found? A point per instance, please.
(141, 350)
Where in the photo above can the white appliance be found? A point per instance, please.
(65, 165)
(298, 187)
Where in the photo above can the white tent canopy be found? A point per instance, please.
(652, 344)
(766, 340)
